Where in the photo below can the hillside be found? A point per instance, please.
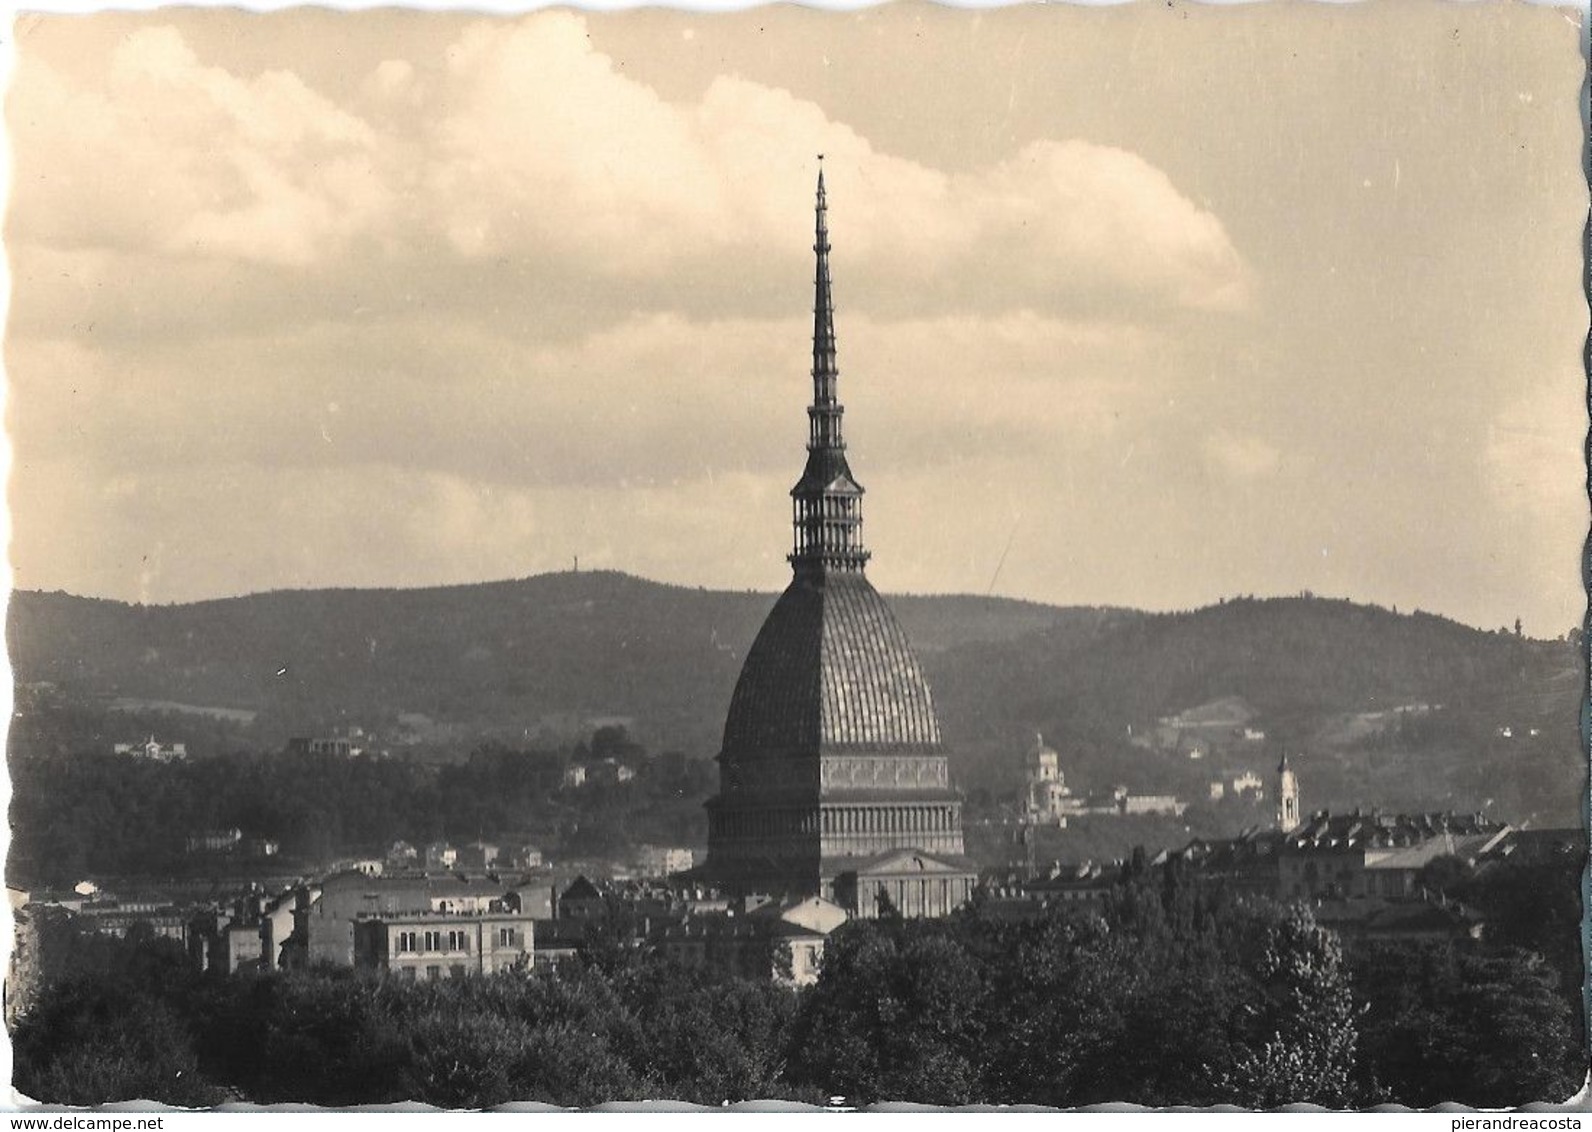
(518, 659)
(1290, 658)
(1389, 708)
(1402, 709)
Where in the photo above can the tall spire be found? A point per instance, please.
(827, 500)
(825, 368)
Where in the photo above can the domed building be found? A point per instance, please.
(833, 779)
(1048, 800)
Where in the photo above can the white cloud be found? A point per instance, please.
(554, 303)
(174, 158)
(531, 146)
(654, 400)
(552, 151)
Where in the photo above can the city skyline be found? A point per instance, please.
(464, 298)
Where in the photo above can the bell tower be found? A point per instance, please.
(1287, 796)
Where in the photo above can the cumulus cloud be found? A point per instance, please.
(175, 158)
(531, 146)
(551, 149)
(462, 298)
(504, 293)
(655, 399)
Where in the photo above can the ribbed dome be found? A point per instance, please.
(830, 670)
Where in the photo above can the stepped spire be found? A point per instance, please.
(825, 369)
(827, 500)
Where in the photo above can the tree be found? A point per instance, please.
(96, 1041)
(1298, 1046)
(1445, 874)
(1535, 907)
(1056, 1016)
(894, 1017)
(463, 1058)
(614, 742)
(711, 1039)
(1440, 1025)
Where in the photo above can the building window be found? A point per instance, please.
(506, 938)
(433, 972)
(458, 941)
(406, 941)
(433, 941)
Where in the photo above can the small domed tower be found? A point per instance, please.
(1287, 796)
(1042, 763)
(1046, 786)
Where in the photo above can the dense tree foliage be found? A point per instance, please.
(1486, 1029)
(1533, 906)
(94, 814)
(1157, 1001)
(113, 1029)
(1165, 996)
(896, 1016)
(651, 1030)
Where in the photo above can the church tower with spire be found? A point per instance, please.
(1287, 796)
(833, 780)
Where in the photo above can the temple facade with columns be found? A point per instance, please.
(833, 779)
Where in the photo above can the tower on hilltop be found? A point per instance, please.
(832, 777)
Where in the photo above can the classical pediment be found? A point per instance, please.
(910, 862)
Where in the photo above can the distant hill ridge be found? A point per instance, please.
(512, 658)
(506, 653)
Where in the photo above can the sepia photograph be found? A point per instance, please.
(1026, 556)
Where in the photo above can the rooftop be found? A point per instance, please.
(831, 670)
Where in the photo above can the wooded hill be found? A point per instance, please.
(515, 657)
(551, 656)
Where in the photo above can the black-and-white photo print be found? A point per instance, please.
(1024, 556)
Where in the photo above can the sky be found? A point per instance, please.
(1140, 306)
